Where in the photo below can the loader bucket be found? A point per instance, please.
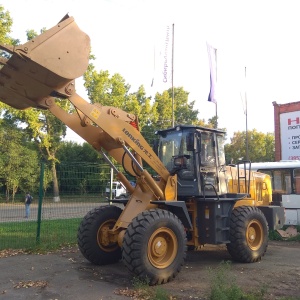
(43, 65)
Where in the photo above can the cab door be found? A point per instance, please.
(221, 164)
(212, 163)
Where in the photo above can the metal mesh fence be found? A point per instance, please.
(53, 219)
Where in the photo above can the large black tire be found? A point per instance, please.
(92, 235)
(154, 246)
(248, 234)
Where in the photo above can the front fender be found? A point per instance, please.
(179, 209)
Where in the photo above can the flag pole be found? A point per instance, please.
(216, 124)
(246, 114)
(173, 122)
(212, 97)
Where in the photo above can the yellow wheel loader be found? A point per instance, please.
(192, 199)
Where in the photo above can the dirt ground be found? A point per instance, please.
(65, 274)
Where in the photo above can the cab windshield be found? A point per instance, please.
(171, 145)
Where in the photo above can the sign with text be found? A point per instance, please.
(290, 135)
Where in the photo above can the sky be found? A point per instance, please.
(257, 44)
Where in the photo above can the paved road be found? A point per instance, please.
(64, 275)
(12, 213)
(67, 275)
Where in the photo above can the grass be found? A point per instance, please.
(53, 234)
(57, 233)
(224, 286)
(143, 291)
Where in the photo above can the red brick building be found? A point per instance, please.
(287, 131)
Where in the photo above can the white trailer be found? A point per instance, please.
(285, 176)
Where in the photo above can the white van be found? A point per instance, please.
(118, 190)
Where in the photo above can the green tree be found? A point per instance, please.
(184, 112)
(5, 28)
(163, 103)
(153, 115)
(46, 131)
(148, 115)
(260, 147)
(113, 91)
(105, 89)
(270, 147)
(213, 122)
(18, 161)
(44, 128)
(19, 164)
(70, 152)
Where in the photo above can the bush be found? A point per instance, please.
(224, 287)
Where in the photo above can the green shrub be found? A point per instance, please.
(224, 287)
(143, 291)
(275, 236)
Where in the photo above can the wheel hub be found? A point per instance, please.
(103, 238)
(254, 235)
(159, 247)
(162, 247)
(251, 234)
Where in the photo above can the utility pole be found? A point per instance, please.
(216, 103)
(246, 114)
(173, 121)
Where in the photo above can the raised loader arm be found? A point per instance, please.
(41, 71)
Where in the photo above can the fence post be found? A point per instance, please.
(111, 183)
(41, 188)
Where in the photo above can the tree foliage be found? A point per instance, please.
(71, 152)
(19, 163)
(261, 147)
(47, 132)
(113, 91)
(184, 112)
(5, 28)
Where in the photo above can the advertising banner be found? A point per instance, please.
(290, 135)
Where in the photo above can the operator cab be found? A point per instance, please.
(196, 154)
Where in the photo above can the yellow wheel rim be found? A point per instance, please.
(162, 247)
(254, 235)
(103, 237)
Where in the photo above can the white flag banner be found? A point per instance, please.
(167, 56)
(163, 59)
(212, 58)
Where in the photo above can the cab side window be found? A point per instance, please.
(207, 150)
(297, 181)
(282, 181)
